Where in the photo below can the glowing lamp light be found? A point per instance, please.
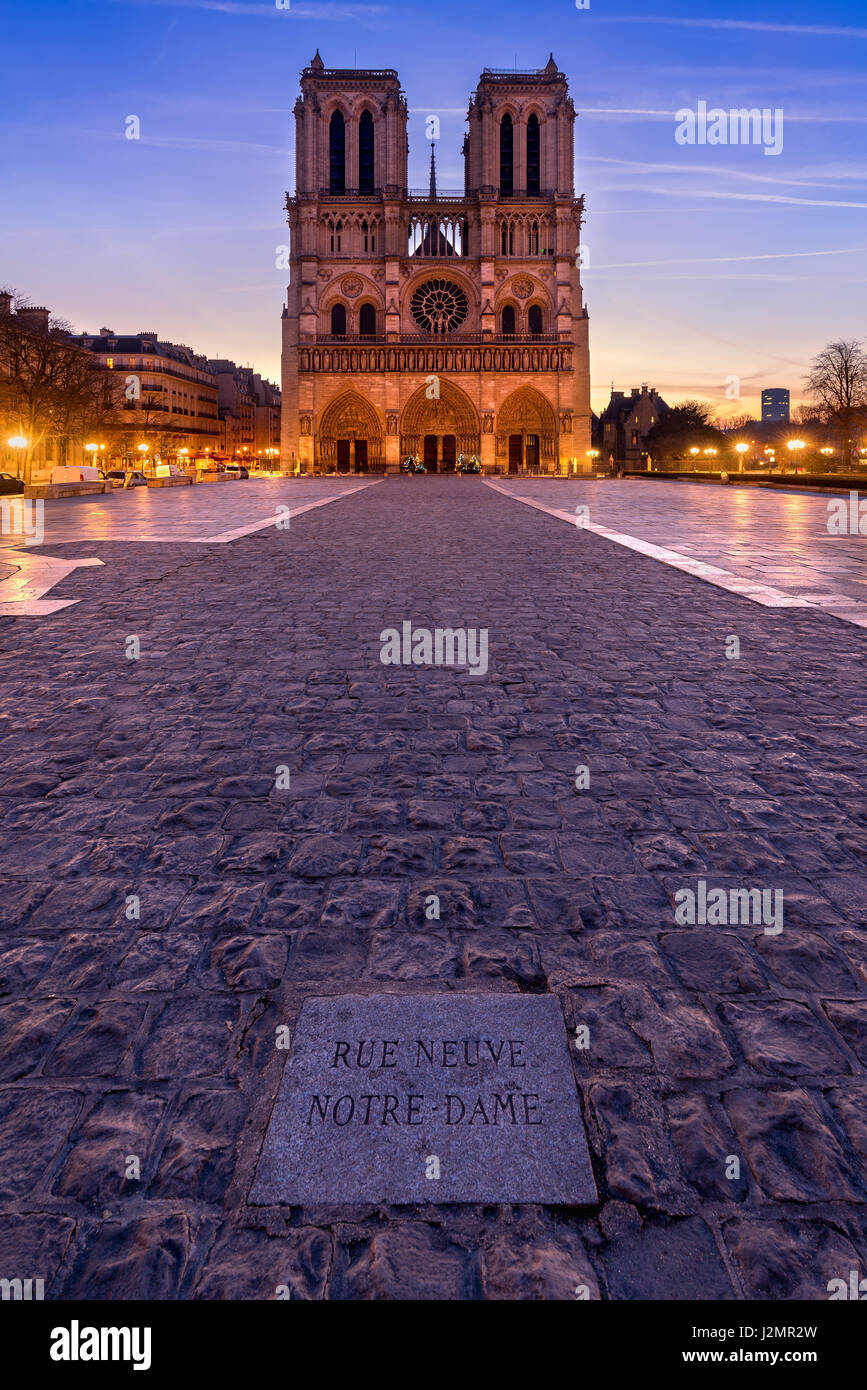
(143, 448)
(695, 451)
(17, 442)
(795, 445)
(742, 448)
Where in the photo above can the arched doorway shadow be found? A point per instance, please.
(349, 437)
(526, 432)
(438, 428)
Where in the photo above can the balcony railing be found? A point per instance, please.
(423, 195)
(436, 339)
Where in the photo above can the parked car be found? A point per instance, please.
(238, 469)
(9, 485)
(118, 477)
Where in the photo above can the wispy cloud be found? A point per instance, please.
(729, 171)
(326, 11)
(655, 113)
(757, 26)
(199, 143)
(718, 260)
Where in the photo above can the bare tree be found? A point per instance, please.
(838, 382)
(49, 388)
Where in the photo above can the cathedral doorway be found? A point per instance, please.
(526, 432)
(438, 428)
(348, 436)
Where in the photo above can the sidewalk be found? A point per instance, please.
(154, 779)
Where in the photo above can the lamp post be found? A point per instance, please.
(17, 442)
(740, 450)
(795, 446)
(92, 450)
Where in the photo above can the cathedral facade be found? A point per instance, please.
(434, 323)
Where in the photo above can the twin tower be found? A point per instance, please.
(434, 321)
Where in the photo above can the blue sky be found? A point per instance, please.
(705, 263)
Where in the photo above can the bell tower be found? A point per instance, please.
(344, 221)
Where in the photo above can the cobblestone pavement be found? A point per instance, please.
(156, 778)
(766, 538)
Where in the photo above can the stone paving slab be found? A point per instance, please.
(202, 514)
(773, 545)
(166, 907)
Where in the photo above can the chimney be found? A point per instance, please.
(34, 319)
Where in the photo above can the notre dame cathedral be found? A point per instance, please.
(434, 322)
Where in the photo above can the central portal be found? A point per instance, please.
(438, 427)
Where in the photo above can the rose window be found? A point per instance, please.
(438, 306)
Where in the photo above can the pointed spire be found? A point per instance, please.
(317, 63)
(551, 67)
(433, 171)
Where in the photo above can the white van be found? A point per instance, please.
(74, 473)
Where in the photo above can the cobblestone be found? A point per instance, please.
(165, 907)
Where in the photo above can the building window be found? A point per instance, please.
(533, 163)
(534, 320)
(365, 153)
(534, 239)
(506, 157)
(509, 319)
(338, 320)
(338, 231)
(337, 153)
(109, 362)
(365, 233)
(367, 321)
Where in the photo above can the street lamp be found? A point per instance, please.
(18, 441)
(740, 450)
(795, 446)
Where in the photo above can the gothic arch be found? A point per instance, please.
(451, 413)
(527, 412)
(348, 416)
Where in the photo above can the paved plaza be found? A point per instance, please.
(167, 905)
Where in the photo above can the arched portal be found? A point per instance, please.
(349, 437)
(449, 421)
(526, 431)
